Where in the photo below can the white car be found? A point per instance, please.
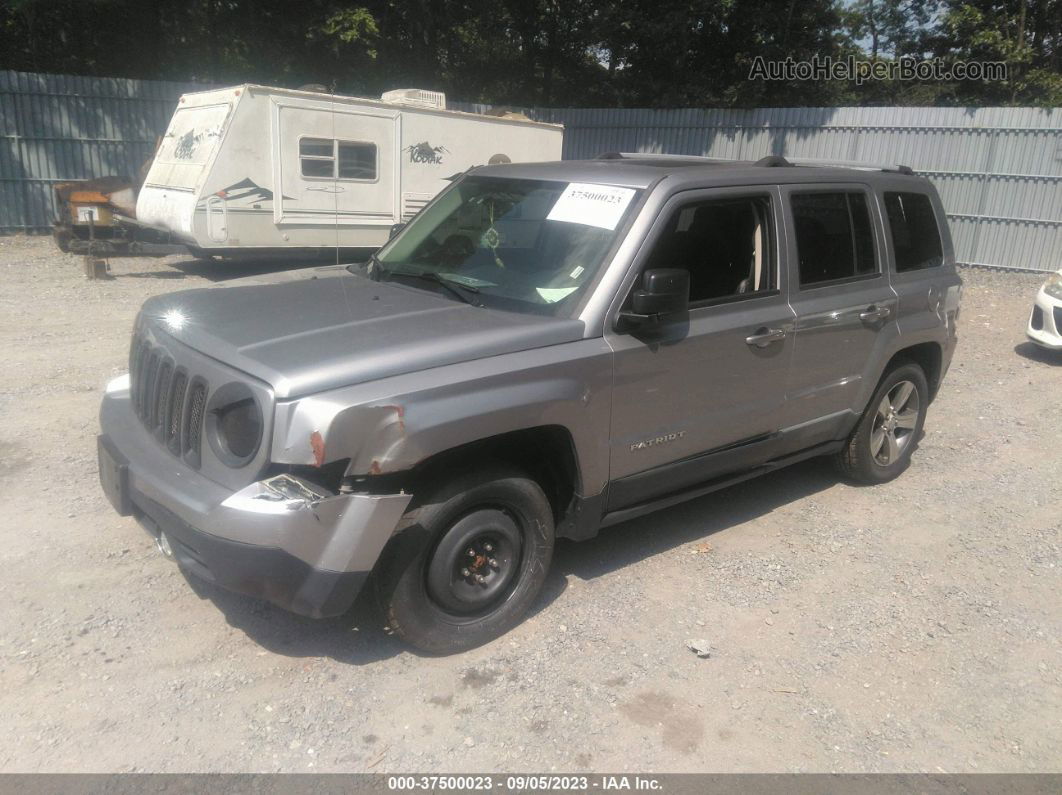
(1045, 322)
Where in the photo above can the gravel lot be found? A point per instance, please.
(909, 627)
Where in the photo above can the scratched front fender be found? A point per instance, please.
(394, 424)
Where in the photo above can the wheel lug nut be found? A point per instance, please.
(465, 572)
(480, 579)
(488, 547)
(471, 553)
(492, 563)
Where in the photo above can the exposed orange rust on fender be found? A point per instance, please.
(374, 468)
(318, 446)
(400, 412)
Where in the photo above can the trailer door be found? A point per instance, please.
(335, 166)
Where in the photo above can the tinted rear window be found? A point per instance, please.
(834, 238)
(915, 237)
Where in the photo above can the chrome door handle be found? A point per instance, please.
(872, 314)
(765, 336)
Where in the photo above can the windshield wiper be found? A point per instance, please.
(454, 287)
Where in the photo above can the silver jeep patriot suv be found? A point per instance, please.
(544, 350)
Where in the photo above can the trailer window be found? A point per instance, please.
(332, 159)
(317, 156)
(357, 160)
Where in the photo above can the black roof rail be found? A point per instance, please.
(770, 161)
(856, 164)
(662, 157)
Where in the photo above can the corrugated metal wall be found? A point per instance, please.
(999, 170)
(58, 127)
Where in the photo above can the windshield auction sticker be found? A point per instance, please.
(592, 205)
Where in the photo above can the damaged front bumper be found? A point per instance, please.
(280, 539)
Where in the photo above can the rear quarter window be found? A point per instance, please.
(915, 235)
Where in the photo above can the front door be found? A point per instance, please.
(844, 305)
(701, 394)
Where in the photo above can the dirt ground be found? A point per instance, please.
(908, 627)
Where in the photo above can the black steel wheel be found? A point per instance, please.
(476, 562)
(467, 561)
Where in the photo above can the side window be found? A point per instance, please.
(725, 244)
(317, 157)
(324, 157)
(357, 160)
(833, 235)
(915, 236)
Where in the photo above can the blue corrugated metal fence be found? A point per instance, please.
(999, 170)
(58, 127)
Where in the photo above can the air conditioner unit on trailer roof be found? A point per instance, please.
(416, 98)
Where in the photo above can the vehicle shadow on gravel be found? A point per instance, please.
(630, 542)
(220, 270)
(356, 638)
(226, 270)
(1035, 353)
(163, 275)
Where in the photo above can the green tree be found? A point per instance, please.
(615, 53)
(1026, 35)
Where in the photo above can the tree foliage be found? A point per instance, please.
(1025, 35)
(616, 53)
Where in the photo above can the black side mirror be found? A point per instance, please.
(395, 229)
(664, 291)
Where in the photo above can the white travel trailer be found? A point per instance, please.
(253, 167)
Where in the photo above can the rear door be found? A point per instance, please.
(845, 308)
(335, 165)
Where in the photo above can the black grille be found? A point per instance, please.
(137, 377)
(173, 419)
(150, 383)
(160, 393)
(196, 406)
(134, 351)
(1037, 320)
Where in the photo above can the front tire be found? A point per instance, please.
(881, 445)
(467, 561)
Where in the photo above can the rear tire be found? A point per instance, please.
(880, 446)
(467, 561)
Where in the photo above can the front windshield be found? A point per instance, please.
(527, 245)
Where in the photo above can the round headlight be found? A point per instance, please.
(234, 424)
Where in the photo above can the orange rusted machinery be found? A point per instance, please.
(97, 217)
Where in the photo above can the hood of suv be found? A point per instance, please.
(310, 331)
